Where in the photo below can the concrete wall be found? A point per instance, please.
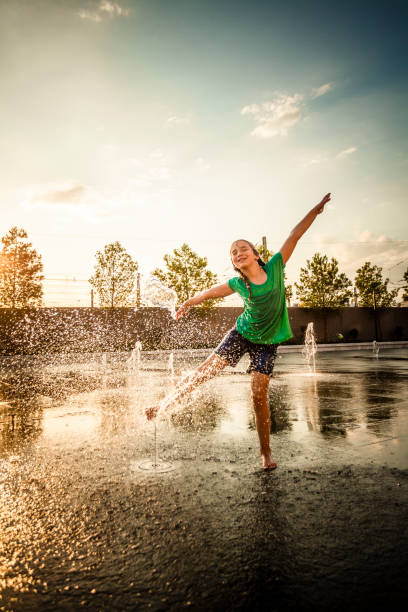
(356, 324)
(46, 330)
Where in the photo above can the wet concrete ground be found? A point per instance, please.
(83, 526)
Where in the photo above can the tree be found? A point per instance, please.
(186, 273)
(320, 284)
(289, 293)
(115, 276)
(405, 285)
(372, 289)
(266, 254)
(20, 271)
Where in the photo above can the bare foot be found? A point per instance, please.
(151, 413)
(268, 463)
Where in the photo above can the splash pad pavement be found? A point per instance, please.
(84, 526)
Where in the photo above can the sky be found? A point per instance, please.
(158, 122)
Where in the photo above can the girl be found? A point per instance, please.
(258, 331)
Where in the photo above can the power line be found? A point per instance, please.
(212, 240)
(397, 264)
(64, 280)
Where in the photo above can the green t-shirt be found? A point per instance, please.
(265, 318)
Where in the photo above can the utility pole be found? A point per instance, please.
(375, 317)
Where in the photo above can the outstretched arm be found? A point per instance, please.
(298, 231)
(218, 291)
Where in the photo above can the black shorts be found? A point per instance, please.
(261, 356)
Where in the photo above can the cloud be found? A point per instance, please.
(346, 152)
(66, 198)
(179, 119)
(72, 194)
(318, 158)
(275, 117)
(104, 10)
(367, 237)
(113, 9)
(91, 16)
(323, 89)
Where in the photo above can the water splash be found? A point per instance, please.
(158, 468)
(134, 366)
(157, 295)
(376, 348)
(310, 348)
(133, 363)
(156, 465)
(170, 366)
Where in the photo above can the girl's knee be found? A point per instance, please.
(259, 398)
(259, 390)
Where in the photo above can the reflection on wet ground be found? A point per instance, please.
(83, 526)
(353, 396)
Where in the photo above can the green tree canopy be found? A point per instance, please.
(321, 285)
(265, 254)
(288, 292)
(186, 273)
(372, 288)
(20, 271)
(115, 276)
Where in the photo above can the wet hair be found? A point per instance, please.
(260, 261)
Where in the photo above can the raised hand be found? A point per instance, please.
(184, 308)
(320, 206)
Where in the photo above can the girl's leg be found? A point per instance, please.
(208, 369)
(259, 392)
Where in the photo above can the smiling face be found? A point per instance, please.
(243, 254)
